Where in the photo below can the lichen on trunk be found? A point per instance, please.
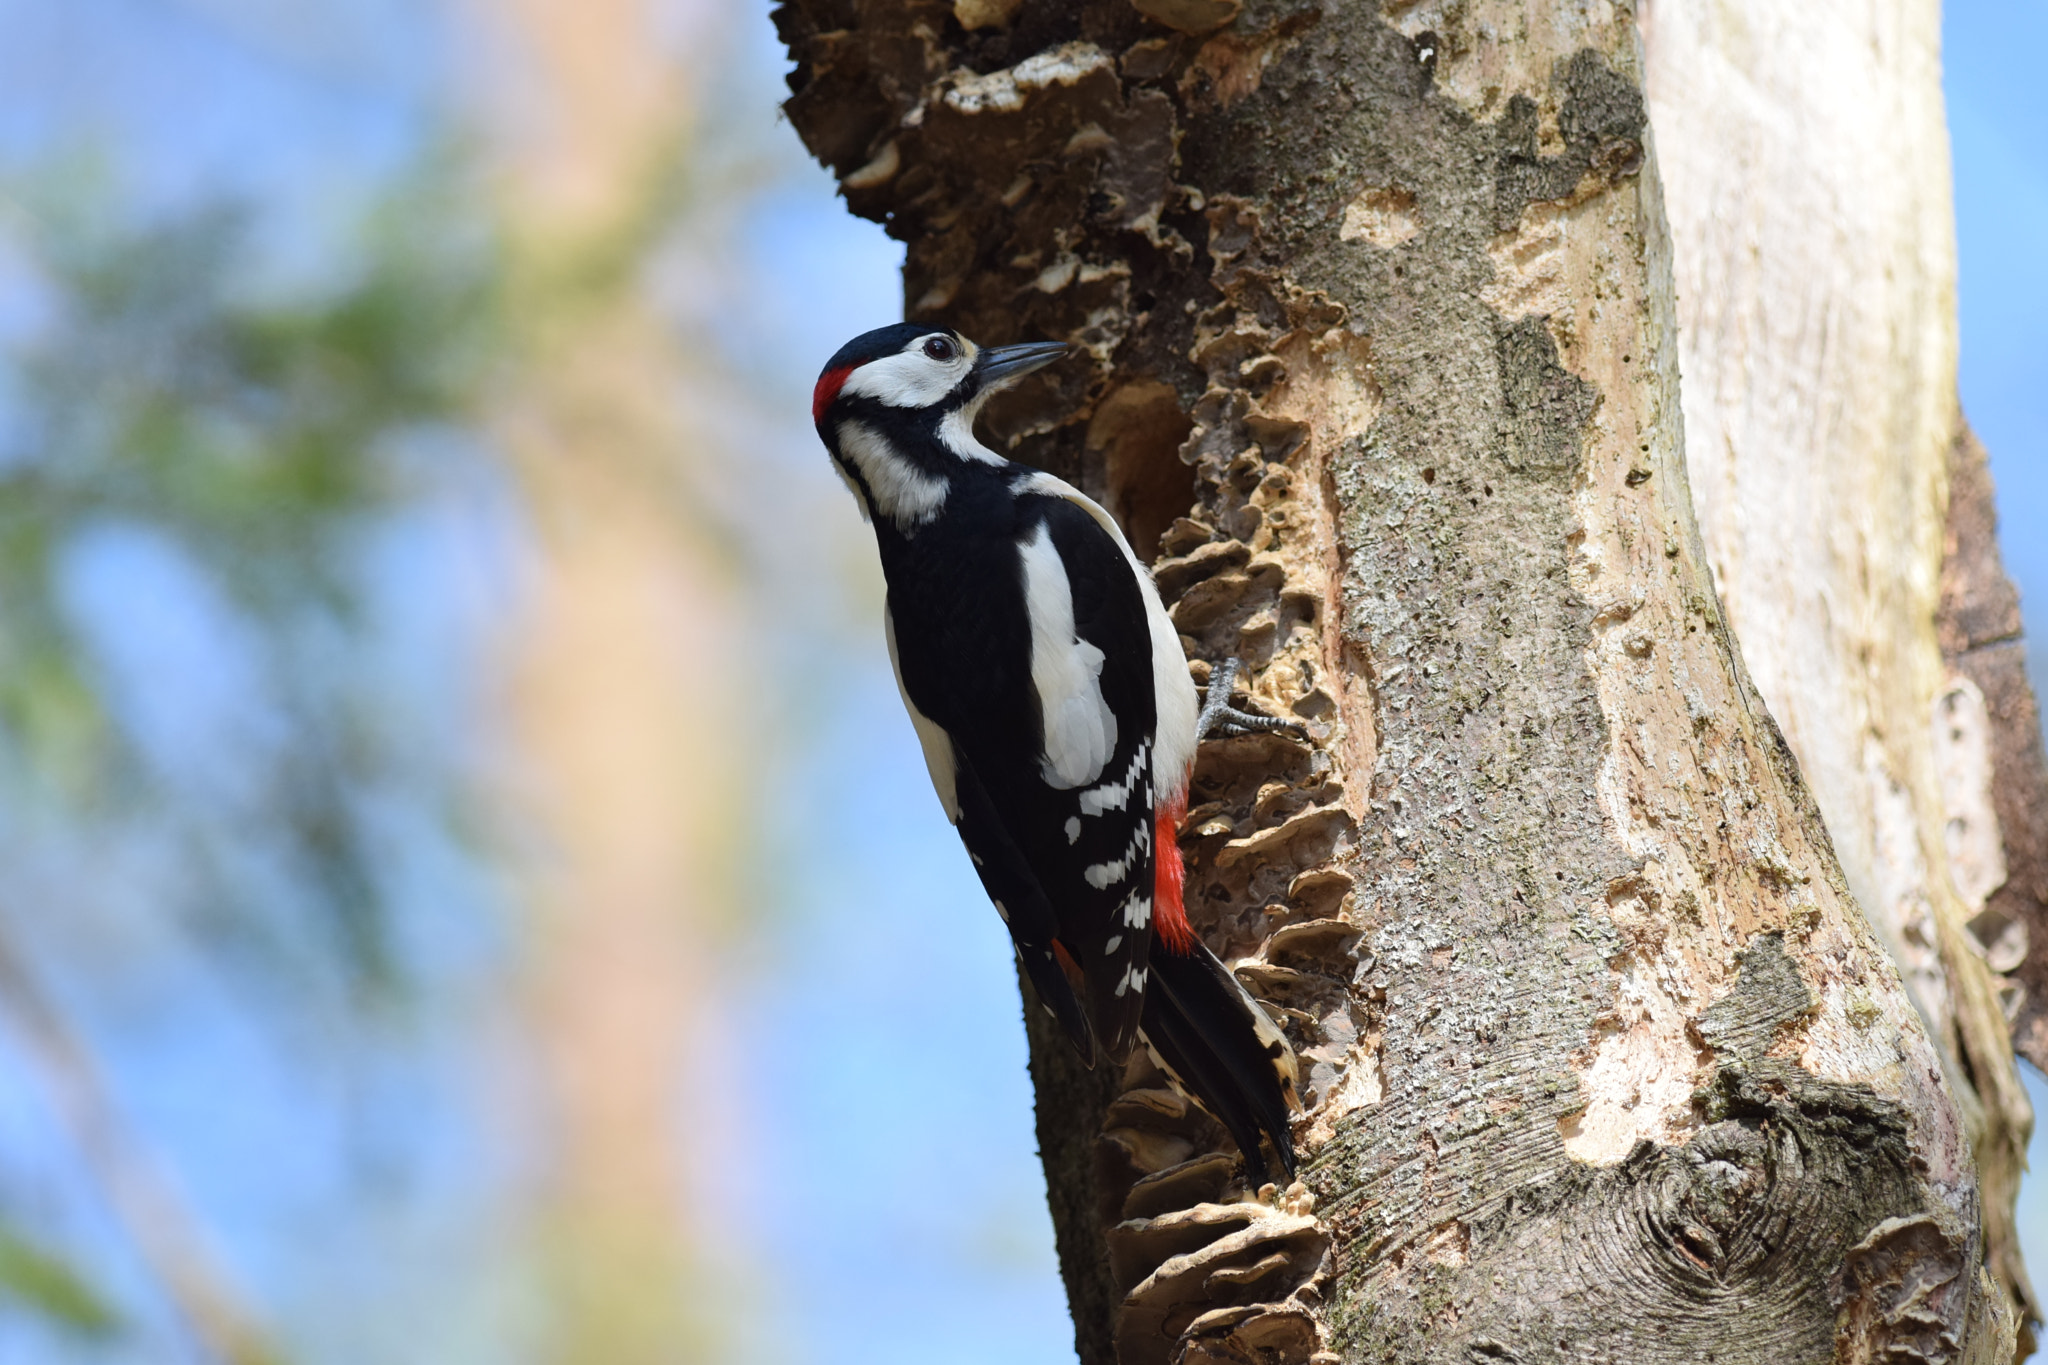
(1603, 1061)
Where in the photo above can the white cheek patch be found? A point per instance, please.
(901, 491)
(910, 379)
(1066, 671)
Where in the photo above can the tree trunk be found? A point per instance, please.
(1605, 1063)
(631, 792)
(1805, 152)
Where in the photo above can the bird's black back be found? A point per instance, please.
(957, 600)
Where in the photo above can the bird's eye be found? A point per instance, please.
(940, 348)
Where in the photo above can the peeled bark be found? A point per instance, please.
(1806, 154)
(1604, 1061)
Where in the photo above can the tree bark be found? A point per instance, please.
(1605, 1063)
(1805, 150)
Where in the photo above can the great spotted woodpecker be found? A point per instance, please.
(1057, 716)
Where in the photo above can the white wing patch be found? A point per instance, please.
(1173, 690)
(936, 743)
(902, 492)
(1066, 671)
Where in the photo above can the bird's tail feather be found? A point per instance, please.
(1054, 982)
(1221, 1048)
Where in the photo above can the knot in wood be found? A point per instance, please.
(1704, 1207)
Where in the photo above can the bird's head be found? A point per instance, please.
(913, 368)
(896, 408)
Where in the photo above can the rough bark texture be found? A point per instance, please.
(1805, 155)
(1604, 1063)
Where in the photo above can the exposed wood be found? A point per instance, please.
(1805, 150)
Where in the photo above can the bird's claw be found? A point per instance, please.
(1220, 720)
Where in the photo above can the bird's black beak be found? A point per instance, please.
(1004, 363)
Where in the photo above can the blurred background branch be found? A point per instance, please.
(153, 1218)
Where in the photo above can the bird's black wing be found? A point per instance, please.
(1095, 846)
(1059, 741)
(1013, 886)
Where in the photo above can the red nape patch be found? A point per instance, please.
(1168, 877)
(829, 384)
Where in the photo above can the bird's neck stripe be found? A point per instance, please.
(895, 487)
(829, 384)
(1169, 877)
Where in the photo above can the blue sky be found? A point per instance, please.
(935, 1225)
(1998, 128)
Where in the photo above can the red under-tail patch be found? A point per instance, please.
(829, 384)
(1168, 877)
(1075, 976)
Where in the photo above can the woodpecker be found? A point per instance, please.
(1052, 700)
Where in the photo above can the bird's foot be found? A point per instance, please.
(1220, 720)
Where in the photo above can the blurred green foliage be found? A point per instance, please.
(256, 436)
(37, 1281)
